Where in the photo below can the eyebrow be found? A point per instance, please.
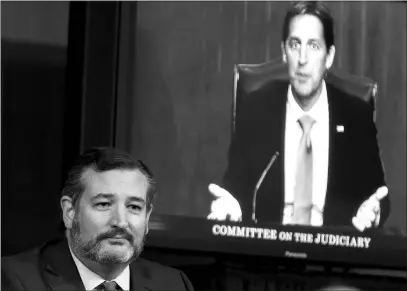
(137, 199)
(110, 196)
(299, 40)
(103, 195)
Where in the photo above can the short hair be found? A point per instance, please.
(317, 9)
(102, 159)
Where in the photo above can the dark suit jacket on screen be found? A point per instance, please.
(354, 167)
(51, 267)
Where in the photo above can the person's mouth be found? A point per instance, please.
(302, 76)
(118, 239)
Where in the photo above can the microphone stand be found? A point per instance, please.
(259, 182)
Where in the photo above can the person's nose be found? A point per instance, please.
(303, 59)
(119, 217)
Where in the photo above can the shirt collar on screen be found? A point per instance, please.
(319, 112)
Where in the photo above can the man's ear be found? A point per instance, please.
(330, 57)
(283, 52)
(148, 218)
(68, 211)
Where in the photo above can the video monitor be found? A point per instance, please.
(181, 110)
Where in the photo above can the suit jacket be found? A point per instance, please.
(354, 165)
(51, 267)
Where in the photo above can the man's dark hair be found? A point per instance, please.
(317, 9)
(104, 159)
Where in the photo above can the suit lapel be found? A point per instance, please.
(59, 269)
(140, 277)
(336, 118)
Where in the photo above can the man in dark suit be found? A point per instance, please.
(106, 204)
(309, 150)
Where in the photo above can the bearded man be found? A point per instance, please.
(106, 205)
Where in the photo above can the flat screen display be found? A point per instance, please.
(174, 112)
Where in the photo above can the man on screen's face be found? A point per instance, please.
(307, 57)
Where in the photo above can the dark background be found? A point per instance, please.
(34, 44)
(59, 86)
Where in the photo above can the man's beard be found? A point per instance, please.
(95, 251)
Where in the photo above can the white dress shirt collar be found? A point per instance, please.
(91, 280)
(319, 112)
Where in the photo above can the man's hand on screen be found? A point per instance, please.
(368, 214)
(224, 205)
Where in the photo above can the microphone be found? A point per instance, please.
(263, 175)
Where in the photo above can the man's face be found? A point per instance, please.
(306, 55)
(111, 220)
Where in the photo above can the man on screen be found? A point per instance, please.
(309, 149)
(106, 204)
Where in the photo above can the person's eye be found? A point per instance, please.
(135, 207)
(295, 45)
(102, 205)
(314, 46)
